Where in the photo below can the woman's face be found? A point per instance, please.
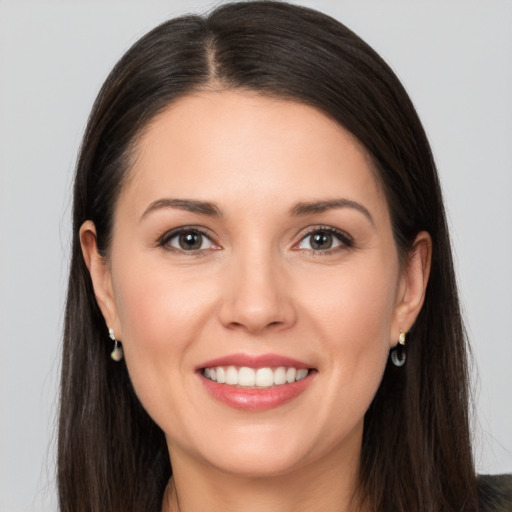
(253, 244)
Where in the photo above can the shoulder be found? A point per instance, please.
(495, 493)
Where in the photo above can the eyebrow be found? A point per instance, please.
(189, 205)
(310, 208)
(298, 210)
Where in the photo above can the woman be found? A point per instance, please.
(262, 302)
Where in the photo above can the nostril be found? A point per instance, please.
(256, 311)
(255, 326)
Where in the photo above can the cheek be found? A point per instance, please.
(353, 318)
(161, 313)
(157, 306)
(355, 304)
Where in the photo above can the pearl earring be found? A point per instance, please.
(398, 353)
(117, 353)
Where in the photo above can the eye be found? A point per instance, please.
(188, 240)
(324, 239)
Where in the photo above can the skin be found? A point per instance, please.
(256, 287)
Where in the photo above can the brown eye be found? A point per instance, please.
(188, 240)
(323, 240)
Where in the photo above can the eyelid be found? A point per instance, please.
(346, 241)
(163, 241)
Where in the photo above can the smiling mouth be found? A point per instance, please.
(254, 378)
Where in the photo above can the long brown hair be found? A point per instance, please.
(416, 453)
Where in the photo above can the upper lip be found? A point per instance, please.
(254, 361)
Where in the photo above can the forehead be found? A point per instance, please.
(237, 145)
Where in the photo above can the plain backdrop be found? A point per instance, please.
(455, 59)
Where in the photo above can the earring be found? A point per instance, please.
(117, 353)
(398, 353)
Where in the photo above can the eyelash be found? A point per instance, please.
(167, 237)
(342, 237)
(346, 241)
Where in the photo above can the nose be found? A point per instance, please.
(257, 296)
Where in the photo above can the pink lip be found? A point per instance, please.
(255, 400)
(252, 361)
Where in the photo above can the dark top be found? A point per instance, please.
(495, 493)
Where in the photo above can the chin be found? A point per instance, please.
(259, 465)
(261, 453)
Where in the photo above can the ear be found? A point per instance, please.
(100, 275)
(412, 286)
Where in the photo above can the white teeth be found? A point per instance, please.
(221, 375)
(302, 373)
(250, 377)
(279, 376)
(290, 375)
(231, 376)
(264, 377)
(246, 376)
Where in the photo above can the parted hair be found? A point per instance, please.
(416, 452)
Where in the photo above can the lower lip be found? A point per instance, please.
(256, 399)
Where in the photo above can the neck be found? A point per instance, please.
(324, 485)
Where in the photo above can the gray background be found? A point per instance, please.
(454, 58)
